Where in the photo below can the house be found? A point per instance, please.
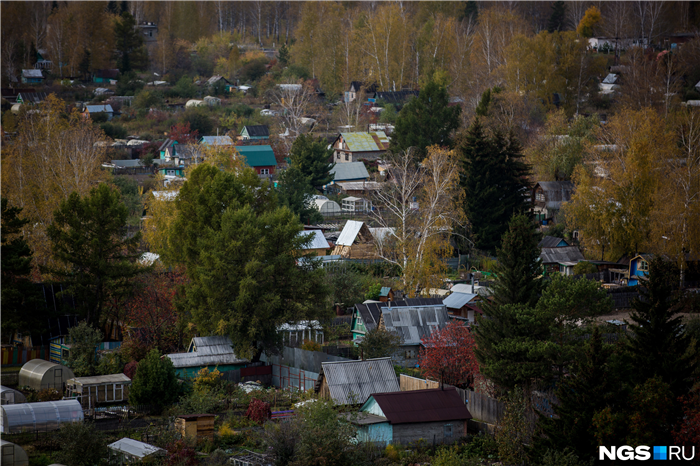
(352, 382)
(462, 305)
(217, 141)
(126, 451)
(318, 245)
(167, 149)
(31, 97)
(32, 76)
(351, 147)
(548, 197)
(386, 294)
(105, 76)
(353, 171)
(99, 389)
(255, 132)
(438, 415)
(92, 110)
(219, 80)
(210, 352)
(260, 158)
(560, 260)
(295, 333)
(355, 88)
(638, 268)
(552, 242)
(149, 31)
(397, 98)
(171, 170)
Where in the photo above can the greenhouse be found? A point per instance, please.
(39, 417)
(39, 374)
(9, 396)
(327, 207)
(13, 455)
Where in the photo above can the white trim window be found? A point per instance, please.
(264, 171)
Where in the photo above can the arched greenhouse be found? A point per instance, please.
(39, 374)
(39, 417)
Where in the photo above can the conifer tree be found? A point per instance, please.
(558, 17)
(313, 159)
(130, 51)
(471, 11)
(294, 191)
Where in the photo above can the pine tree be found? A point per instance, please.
(294, 191)
(660, 342)
(312, 158)
(130, 51)
(283, 55)
(471, 11)
(494, 183)
(558, 17)
(155, 382)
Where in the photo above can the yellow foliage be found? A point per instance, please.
(226, 431)
(589, 21)
(206, 380)
(392, 453)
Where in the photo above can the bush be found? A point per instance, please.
(258, 411)
(83, 353)
(207, 381)
(110, 363)
(155, 382)
(114, 131)
(98, 118)
(49, 394)
(199, 121)
(81, 444)
(147, 99)
(241, 110)
(185, 88)
(253, 70)
(129, 84)
(584, 267)
(130, 369)
(310, 345)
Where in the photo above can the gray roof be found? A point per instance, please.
(557, 255)
(134, 447)
(461, 288)
(100, 379)
(555, 192)
(370, 313)
(32, 74)
(127, 163)
(181, 360)
(99, 108)
(217, 140)
(211, 345)
(349, 171)
(415, 323)
(352, 382)
(458, 300)
(550, 242)
(318, 241)
(610, 79)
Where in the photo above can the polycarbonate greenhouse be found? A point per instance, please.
(9, 396)
(39, 417)
(13, 455)
(39, 374)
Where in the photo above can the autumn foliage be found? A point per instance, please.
(258, 411)
(448, 355)
(688, 431)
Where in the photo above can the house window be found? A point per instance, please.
(644, 266)
(347, 157)
(338, 155)
(264, 171)
(539, 196)
(448, 430)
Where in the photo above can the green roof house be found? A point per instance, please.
(260, 158)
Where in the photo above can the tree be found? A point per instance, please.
(183, 133)
(130, 51)
(448, 355)
(81, 444)
(155, 382)
(417, 239)
(514, 430)
(558, 17)
(326, 438)
(590, 20)
(294, 191)
(310, 156)
(198, 120)
(283, 55)
(380, 343)
(585, 267)
(20, 298)
(660, 344)
(295, 102)
(87, 239)
(425, 120)
(82, 357)
(494, 183)
(471, 11)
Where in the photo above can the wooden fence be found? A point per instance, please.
(18, 355)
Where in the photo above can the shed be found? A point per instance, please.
(196, 426)
(352, 382)
(39, 374)
(255, 132)
(386, 294)
(13, 455)
(127, 451)
(326, 207)
(404, 417)
(318, 244)
(210, 352)
(355, 241)
(97, 109)
(458, 304)
(260, 158)
(413, 323)
(39, 417)
(8, 396)
(32, 76)
(99, 389)
(352, 171)
(552, 257)
(105, 76)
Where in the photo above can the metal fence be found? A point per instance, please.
(18, 355)
(292, 377)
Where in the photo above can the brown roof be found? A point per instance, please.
(432, 405)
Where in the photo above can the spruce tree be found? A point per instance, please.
(130, 51)
(471, 11)
(294, 191)
(558, 17)
(313, 159)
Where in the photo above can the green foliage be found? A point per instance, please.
(241, 110)
(514, 431)
(254, 70)
(481, 446)
(471, 11)
(81, 444)
(82, 357)
(311, 156)
(155, 382)
(99, 118)
(493, 180)
(348, 285)
(196, 402)
(282, 440)
(295, 72)
(380, 343)
(325, 437)
(426, 120)
(20, 297)
(130, 51)
(113, 130)
(87, 237)
(147, 99)
(129, 84)
(558, 18)
(199, 120)
(294, 191)
(283, 55)
(482, 108)
(561, 458)
(110, 363)
(185, 88)
(131, 198)
(585, 267)
(389, 114)
(374, 291)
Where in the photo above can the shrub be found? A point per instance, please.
(98, 117)
(48, 394)
(310, 345)
(155, 382)
(130, 369)
(207, 381)
(114, 131)
(198, 120)
(584, 267)
(258, 411)
(81, 444)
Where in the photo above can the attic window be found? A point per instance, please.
(539, 196)
(643, 265)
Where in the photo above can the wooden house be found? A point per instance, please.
(399, 418)
(356, 87)
(547, 199)
(552, 242)
(32, 76)
(195, 426)
(639, 268)
(260, 158)
(560, 260)
(351, 147)
(352, 382)
(212, 352)
(386, 294)
(92, 110)
(255, 132)
(318, 245)
(463, 305)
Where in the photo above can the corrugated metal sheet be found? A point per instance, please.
(458, 300)
(349, 233)
(134, 448)
(181, 360)
(611, 78)
(557, 255)
(99, 108)
(318, 241)
(217, 140)
(550, 242)
(349, 171)
(112, 378)
(461, 288)
(432, 405)
(352, 382)
(366, 142)
(556, 192)
(415, 323)
(211, 345)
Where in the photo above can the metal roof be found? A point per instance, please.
(550, 242)
(360, 185)
(461, 288)
(134, 448)
(366, 142)
(432, 405)
(349, 233)
(352, 382)
(32, 73)
(414, 323)
(556, 192)
(127, 163)
(100, 379)
(99, 108)
(371, 312)
(211, 345)
(385, 291)
(458, 300)
(217, 140)
(611, 78)
(257, 131)
(557, 255)
(349, 171)
(258, 156)
(318, 241)
(181, 360)
(363, 419)
(301, 325)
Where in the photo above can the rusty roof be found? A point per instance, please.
(433, 405)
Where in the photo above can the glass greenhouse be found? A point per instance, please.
(39, 417)
(13, 455)
(39, 374)
(9, 396)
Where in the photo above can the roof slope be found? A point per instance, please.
(99, 108)
(350, 231)
(257, 131)
(134, 447)
(217, 140)
(352, 382)
(258, 156)
(550, 242)
(318, 241)
(211, 345)
(349, 171)
(366, 142)
(458, 300)
(432, 405)
(413, 323)
(556, 192)
(565, 254)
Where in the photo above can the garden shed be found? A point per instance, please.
(100, 389)
(196, 426)
(126, 451)
(39, 374)
(9, 396)
(13, 455)
(39, 417)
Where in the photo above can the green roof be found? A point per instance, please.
(258, 156)
(385, 291)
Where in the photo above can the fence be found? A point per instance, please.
(302, 359)
(408, 383)
(292, 377)
(18, 356)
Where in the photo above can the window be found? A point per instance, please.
(347, 157)
(264, 171)
(338, 156)
(539, 196)
(643, 265)
(448, 430)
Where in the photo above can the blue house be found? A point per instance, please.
(398, 418)
(639, 267)
(207, 352)
(32, 77)
(167, 149)
(178, 170)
